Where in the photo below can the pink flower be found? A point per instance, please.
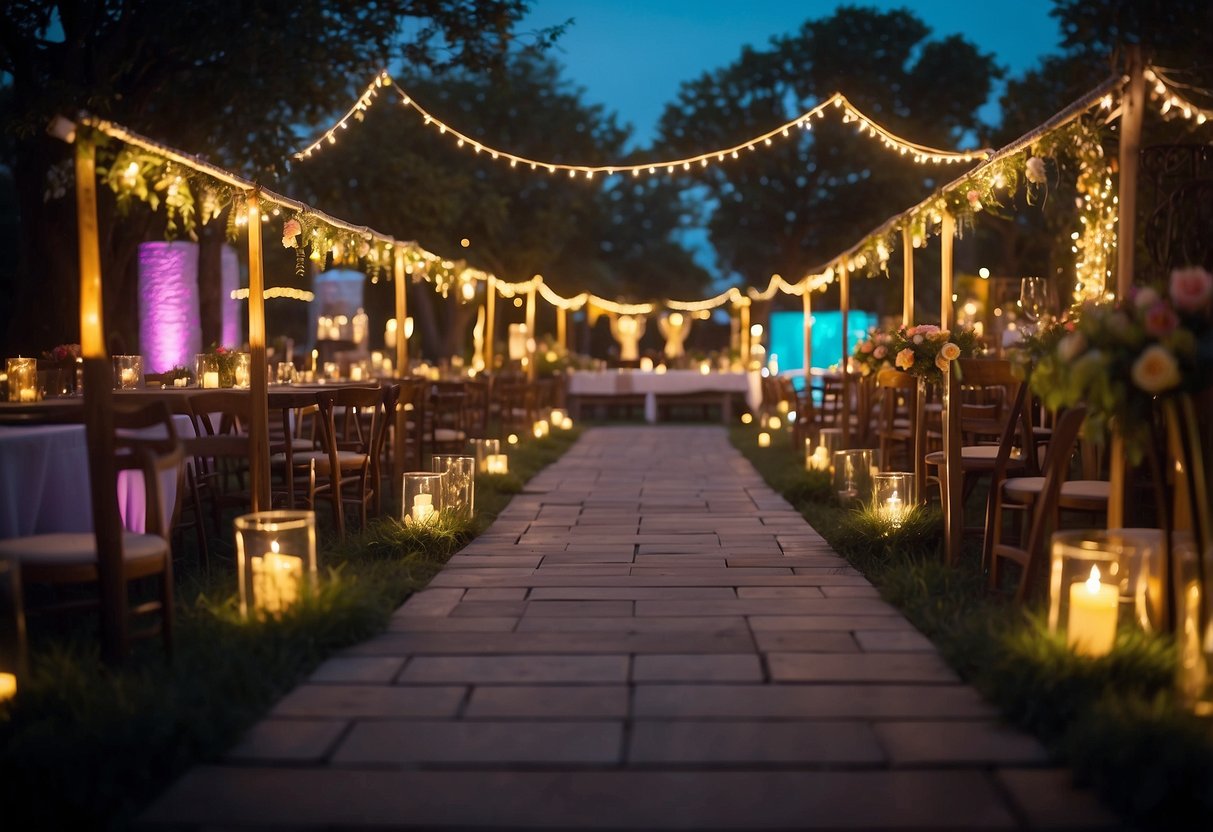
(290, 230)
(1155, 370)
(1191, 288)
(865, 347)
(1161, 320)
(974, 200)
(949, 352)
(905, 359)
(880, 352)
(1144, 297)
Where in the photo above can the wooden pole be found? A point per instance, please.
(490, 313)
(947, 235)
(562, 327)
(98, 414)
(907, 277)
(1133, 102)
(744, 334)
(952, 473)
(402, 312)
(530, 332)
(807, 300)
(259, 426)
(844, 305)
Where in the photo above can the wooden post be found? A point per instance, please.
(530, 329)
(490, 313)
(561, 327)
(744, 334)
(1133, 102)
(98, 414)
(952, 473)
(907, 277)
(807, 300)
(402, 312)
(844, 308)
(259, 426)
(947, 235)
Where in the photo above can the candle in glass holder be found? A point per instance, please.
(8, 686)
(497, 464)
(512, 439)
(819, 460)
(277, 579)
(746, 418)
(127, 377)
(181, 381)
(774, 423)
(704, 368)
(764, 440)
(423, 508)
(566, 423)
(893, 509)
(557, 417)
(1091, 629)
(210, 379)
(355, 372)
(540, 428)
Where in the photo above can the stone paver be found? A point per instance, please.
(650, 638)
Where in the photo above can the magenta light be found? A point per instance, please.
(232, 310)
(170, 329)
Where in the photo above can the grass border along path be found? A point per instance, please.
(1115, 720)
(82, 746)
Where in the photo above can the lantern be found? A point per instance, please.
(128, 372)
(423, 497)
(275, 559)
(460, 472)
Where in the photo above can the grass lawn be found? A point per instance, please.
(1115, 720)
(84, 747)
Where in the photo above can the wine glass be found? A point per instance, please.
(1033, 300)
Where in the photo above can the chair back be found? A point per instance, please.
(996, 405)
(146, 441)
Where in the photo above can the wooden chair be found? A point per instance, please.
(220, 450)
(289, 435)
(354, 425)
(448, 424)
(1040, 499)
(146, 442)
(896, 425)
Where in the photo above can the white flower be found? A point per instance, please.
(1071, 346)
(1034, 170)
(1155, 370)
(1145, 297)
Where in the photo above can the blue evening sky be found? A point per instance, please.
(631, 55)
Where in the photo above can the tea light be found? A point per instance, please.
(557, 417)
(705, 368)
(512, 439)
(210, 379)
(566, 423)
(8, 686)
(774, 423)
(27, 394)
(422, 496)
(819, 460)
(497, 464)
(646, 365)
(355, 372)
(127, 377)
(892, 496)
(764, 440)
(540, 428)
(1091, 630)
(181, 381)
(423, 508)
(746, 418)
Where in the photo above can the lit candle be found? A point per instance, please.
(240, 376)
(127, 376)
(820, 460)
(512, 439)
(315, 358)
(541, 428)
(355, 373)
(764, 440)
(893, 509)
(389, 334)
(557, 417)
(27, 394)
(774, 423)
(498, 463)
(423, 508)
(566, 423)
(704, 368)
(276, 580)
(210, 379)
(746, 418)
(181, 381)
(8, 686)
(1092, 627)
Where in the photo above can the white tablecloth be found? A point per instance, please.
(44, 482)
(670, 383)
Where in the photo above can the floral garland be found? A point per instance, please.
(926, 351)
(1119, 356)
(873, 354)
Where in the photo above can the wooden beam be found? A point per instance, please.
(907, 277)
(98, 412)
(490, 315)
(952, 473)
(947, 236)
(259, 426)
(1133, 103)
(744, 334)
(530, 333)
(562, 327)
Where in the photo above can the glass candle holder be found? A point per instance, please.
(566, 423)
(460, 471)
(853, 471)
(891, 496)
(540, 428)
(242, 366)
(497, 464)
(819, 454)
(774, 422)
(23, 380)
(764, 440)
(128, 372)
(557, 418)
(332, 370)
(423, 497)
(285, 372)
(482, 449)
(1193, 624)
(275, 559)
(206, 370)
(1099, 578)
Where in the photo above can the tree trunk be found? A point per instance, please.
(211, 238)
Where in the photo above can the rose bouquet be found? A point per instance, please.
(928, 351)
(63, 353)
(872, 354)
(1119, 356)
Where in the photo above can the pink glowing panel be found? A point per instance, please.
(170, 329)
(232, 311)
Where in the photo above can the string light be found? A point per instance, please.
(278, 292)
(921, 154)
(1163, 90)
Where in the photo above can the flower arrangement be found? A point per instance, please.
(873, 354)
(928, 352)
(225, 361)
(1117, 357)
(62, 353)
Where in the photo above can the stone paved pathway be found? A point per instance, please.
(651, 638)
